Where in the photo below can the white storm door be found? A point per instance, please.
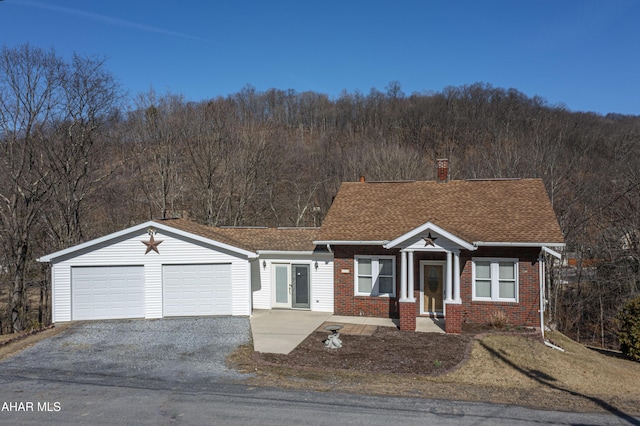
(281, 278)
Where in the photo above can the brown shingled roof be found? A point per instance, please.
(476, 211)
(252, 239)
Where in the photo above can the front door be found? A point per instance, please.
(432, 286)
(300, 279)
(291, 286)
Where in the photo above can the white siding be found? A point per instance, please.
(129, 250)
(153, 290)
(321, 290)
(261, 285)
(61, 293)
(259, 296)
(241, 288)
(322, 284)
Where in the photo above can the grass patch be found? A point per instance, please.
(498, 367)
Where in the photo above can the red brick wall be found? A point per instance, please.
(345, 302)
(407, 316)
(453, 320)
(524, 313)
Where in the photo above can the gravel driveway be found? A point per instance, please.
(178, 350)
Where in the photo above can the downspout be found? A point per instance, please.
(257, 260)
(541, 276)
(543, 280)
(329, 248)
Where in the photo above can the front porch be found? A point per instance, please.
(423, 324)
(437, 292)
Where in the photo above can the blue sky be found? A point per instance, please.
(580, 53)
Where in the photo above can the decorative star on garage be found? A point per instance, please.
(429, 240)
(152, 244)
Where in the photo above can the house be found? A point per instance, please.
(459, 250)
(462, 250)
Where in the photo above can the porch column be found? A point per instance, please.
(403, 276)
(448, 292)
(406, 304)
(411, 296)
(456, 277)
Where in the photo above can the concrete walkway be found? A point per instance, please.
(279, 331)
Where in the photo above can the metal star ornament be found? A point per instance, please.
(152, 244)
(429, 240)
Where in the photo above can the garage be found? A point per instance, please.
(196, 290)
(107, 292)
(152, 270)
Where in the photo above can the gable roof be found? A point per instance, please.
(418, 233)
(243, 241)
(252, 238)
(477, 211)
(143, 226)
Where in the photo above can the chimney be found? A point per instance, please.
(362, 180)
(442, 175)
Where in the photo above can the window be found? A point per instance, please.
(375, 276)
(495, 280)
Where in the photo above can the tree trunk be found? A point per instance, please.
(601, 321)
(18, 304)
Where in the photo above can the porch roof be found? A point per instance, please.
(476, 211)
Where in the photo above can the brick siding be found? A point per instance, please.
(407, 316)
(453, 320)
(523, 313)
(345, 301)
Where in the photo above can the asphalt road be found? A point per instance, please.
(85, 377)
(80, 403)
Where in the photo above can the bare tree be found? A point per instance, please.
(50, 114)
(31, 96)
(207, 143)
(158, 125)
(79, 159)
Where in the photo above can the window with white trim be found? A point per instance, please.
(495, 279)
(375, 276)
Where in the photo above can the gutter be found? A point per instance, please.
(289, 252)
(515, 244)
(350, 243)
(544, 246)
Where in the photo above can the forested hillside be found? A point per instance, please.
(80, 159)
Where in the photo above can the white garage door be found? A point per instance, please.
(191, 290)
(107, 292)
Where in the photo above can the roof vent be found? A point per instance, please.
(362, 179)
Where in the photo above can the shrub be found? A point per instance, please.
(629, 329)
(498, 320)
